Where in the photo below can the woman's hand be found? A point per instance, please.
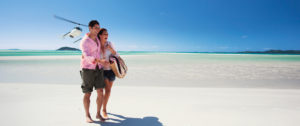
(111, 50)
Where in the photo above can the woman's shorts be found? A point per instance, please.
(91, 79)
(110, 75)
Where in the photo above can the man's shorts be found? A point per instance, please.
(92, 79)
(110, 75)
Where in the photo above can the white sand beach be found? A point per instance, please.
(60, 105)
(159, 90)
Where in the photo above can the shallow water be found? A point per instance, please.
(164, 69)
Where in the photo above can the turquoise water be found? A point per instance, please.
(190, 55)
(57, 53)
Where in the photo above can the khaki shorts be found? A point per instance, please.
(92, 79)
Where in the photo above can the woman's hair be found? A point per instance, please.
(101, 32)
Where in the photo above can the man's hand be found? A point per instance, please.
(102, 61)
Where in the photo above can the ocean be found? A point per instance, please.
(158, 69)
(189, 55)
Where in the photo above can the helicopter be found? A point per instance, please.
(75, 32)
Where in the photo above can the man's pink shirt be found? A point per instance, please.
(90, 51)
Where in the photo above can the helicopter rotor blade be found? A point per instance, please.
(61, 18)
(77, 40)
(65, 34)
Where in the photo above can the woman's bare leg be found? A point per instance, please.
(106, 96)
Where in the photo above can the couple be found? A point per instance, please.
(96, 72)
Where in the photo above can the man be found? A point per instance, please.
(92, 72)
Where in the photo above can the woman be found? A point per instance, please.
(107, 50)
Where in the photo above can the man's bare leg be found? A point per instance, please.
(106, 97)
(86, 104)
(99, 104)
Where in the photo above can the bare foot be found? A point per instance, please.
(98, 116)
(104, 113)
(89, 119)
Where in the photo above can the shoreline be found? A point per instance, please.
(124, 53)
(161, 70)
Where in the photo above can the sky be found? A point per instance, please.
(155, 25)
